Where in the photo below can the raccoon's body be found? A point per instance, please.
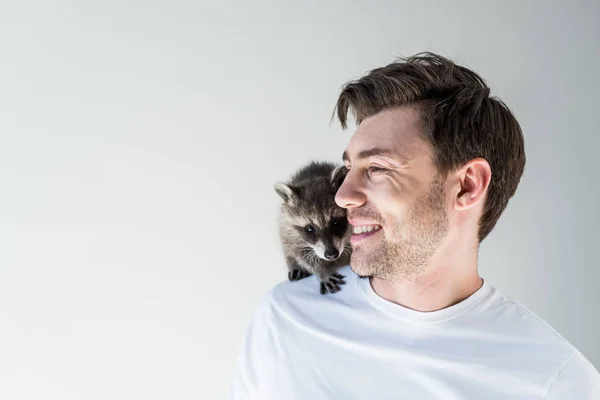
(314, 231)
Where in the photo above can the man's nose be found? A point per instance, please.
(350, 194)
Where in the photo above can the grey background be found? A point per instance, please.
(139, 142)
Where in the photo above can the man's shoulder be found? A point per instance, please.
(576, 379)
(514, 319)
(539, 340)
(307, 288)
(524, 322)
(294, 296)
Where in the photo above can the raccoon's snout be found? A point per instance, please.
(326, 252)
(331, 254)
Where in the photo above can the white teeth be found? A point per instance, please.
(365, 228)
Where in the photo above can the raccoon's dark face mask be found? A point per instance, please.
(328, 239)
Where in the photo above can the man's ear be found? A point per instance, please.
(286, 192)
(337, 176)
(474, 179)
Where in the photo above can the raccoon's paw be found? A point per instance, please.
(332, 283)
(298, 273)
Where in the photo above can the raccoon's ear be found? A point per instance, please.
(286, 192)
(337, 176)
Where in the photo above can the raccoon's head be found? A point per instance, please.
(312, 220)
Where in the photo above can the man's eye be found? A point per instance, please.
(376, 169)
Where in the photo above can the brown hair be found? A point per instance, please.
(461, 120)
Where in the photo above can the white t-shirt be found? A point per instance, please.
(356, 345)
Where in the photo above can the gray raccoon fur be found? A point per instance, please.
(312, 227)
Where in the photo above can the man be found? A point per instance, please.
(430, 169)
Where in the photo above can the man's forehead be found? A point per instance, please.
(382, 152)
(393, 134)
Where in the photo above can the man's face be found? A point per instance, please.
(392, 191)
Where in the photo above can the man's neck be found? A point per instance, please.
(443, 286)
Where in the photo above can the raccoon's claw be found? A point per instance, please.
(333, 283)
(337, 278)
(297, 274)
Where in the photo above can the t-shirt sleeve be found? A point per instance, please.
(250, 371)
(577, 380)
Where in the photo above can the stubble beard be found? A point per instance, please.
(405, 249)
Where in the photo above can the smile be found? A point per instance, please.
(362, 232)
(357, 230)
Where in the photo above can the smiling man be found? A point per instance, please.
(430, 169)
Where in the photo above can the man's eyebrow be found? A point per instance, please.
(375, 151)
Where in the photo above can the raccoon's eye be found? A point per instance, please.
(309, 229)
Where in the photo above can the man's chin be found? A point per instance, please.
(361, 273)
(360, 265)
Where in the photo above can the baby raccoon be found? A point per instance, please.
(313, 229)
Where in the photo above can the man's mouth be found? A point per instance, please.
(357, 230)
(362, 232)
